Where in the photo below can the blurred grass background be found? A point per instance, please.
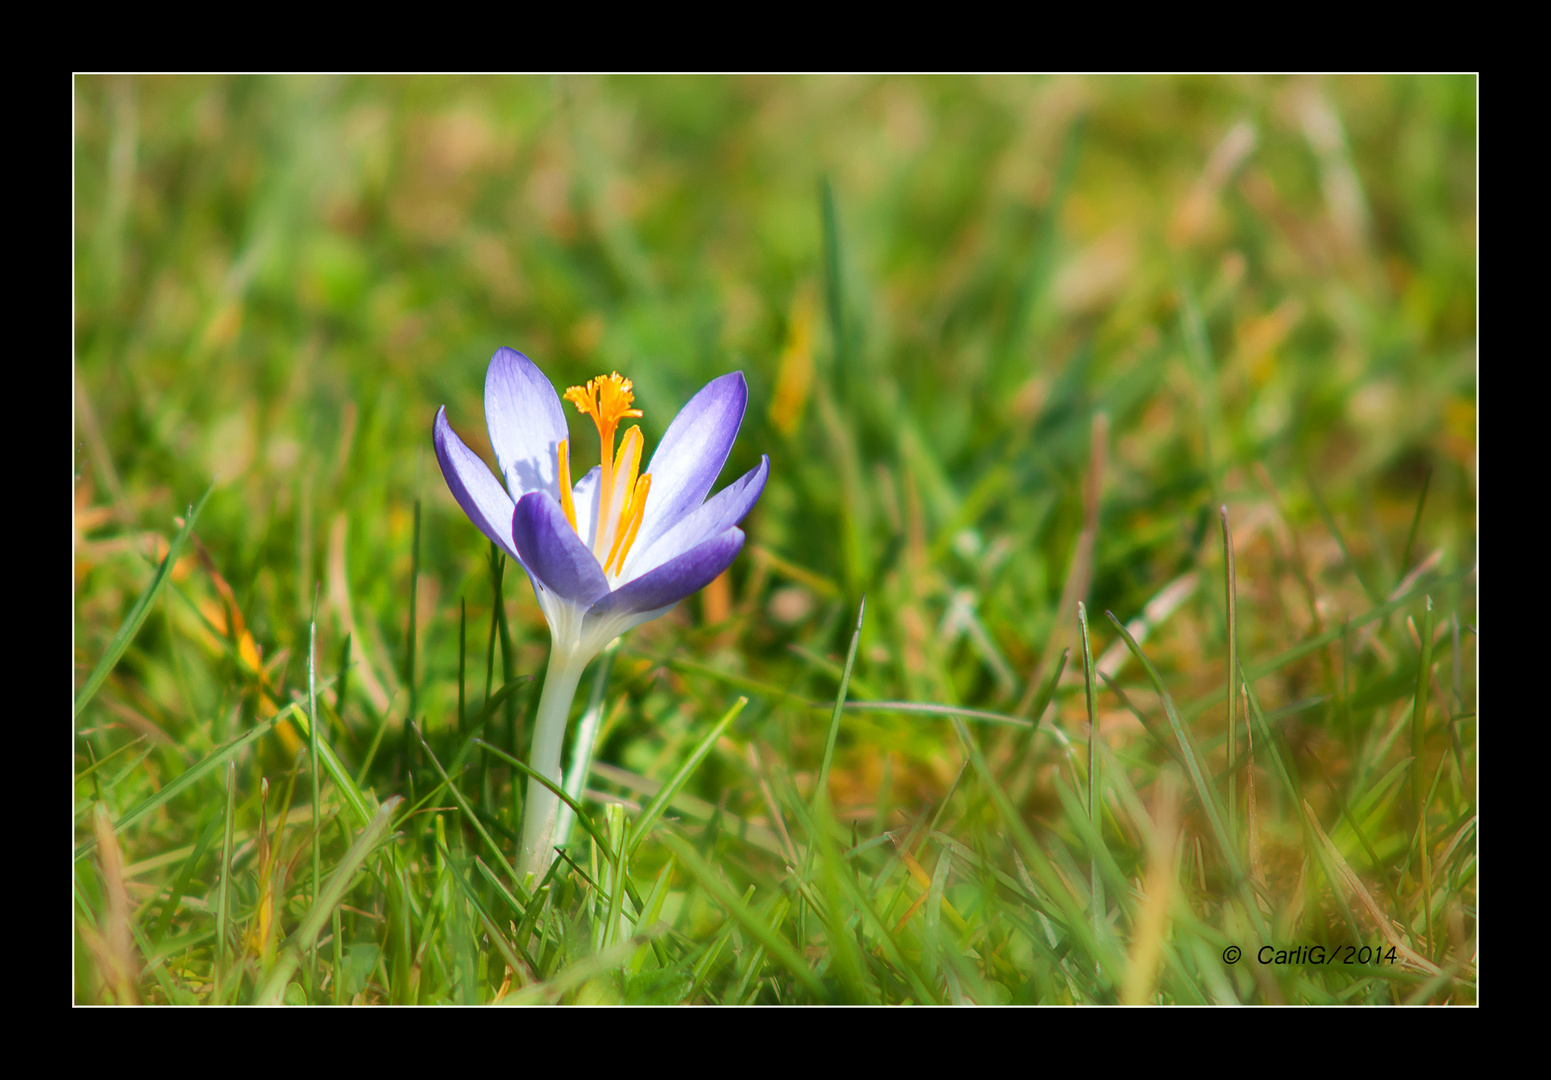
(1010, 343)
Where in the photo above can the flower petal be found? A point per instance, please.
(670, 582)
(711, 518)
(479, 493)
(525, 421)
(692, 453)
(553, 554)
(584, 498)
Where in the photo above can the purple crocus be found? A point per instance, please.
(618, 548)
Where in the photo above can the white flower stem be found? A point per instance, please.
(582, 746)
(538, 818)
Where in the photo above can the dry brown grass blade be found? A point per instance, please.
(1354, 888)
(114, 947)
(1152, 922)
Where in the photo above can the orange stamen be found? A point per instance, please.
(630, 524)
(566, 502)
(621, 497)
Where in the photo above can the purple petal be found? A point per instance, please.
(692, 453)
(672, 581)
(479, 493)
(713, 517)
(554, 555)
(525, 421)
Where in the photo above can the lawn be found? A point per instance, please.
(1105, 633)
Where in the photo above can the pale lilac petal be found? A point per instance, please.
(670, 582)
(553, 554)
(713, 517)
(584, 497)
(477, 491)
(525, 421)
(692, 453)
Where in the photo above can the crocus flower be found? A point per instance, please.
(616, 549)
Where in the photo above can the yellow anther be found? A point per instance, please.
(566, 502)
(621, 496)
(629, 525)
(617, 489)
(607, 399)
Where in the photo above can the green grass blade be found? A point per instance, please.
(472, 817)
(1041, 702)
(100, 762)
(1416, 520)
(655, 808)
(1049, 879)
(406, 744)
(349, 790)
(1158, 737)
(1346, 554)
(137, 614)
(1231, 602)
(498, 699)
(1096, 903)
(756, 961)
(189, 777)
(840, 700)
(647, 917)
(737, 682)
(1187, 747)
(929, 709)
(1419, 795)
(333, 893)
(711, 881)
(846, 961)
(183, 879)
(312, 739)
(226, 875)
(581, 818)
(508, 951)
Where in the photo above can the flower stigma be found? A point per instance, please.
(621, 495)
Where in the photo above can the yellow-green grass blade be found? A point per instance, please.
(508, 951)
(769, 937)
(100, 762)
(498, 699)
(1088, 832)
(348, 788)
(655, 808)
(756, 962)
(473, 818)
(649, 913)
(712, 954)
(840, 697)
(1319, 641)
(189, 777)
(1419, 797)
(581, 819)
(1230, 601)
(323, 906)
(737, 682)
(1198, 778)
(845, 959)
(929, 709)
(1069, 903)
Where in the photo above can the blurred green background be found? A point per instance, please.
(933, 284)
(280, 279)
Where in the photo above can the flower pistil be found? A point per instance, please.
(622, 495)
